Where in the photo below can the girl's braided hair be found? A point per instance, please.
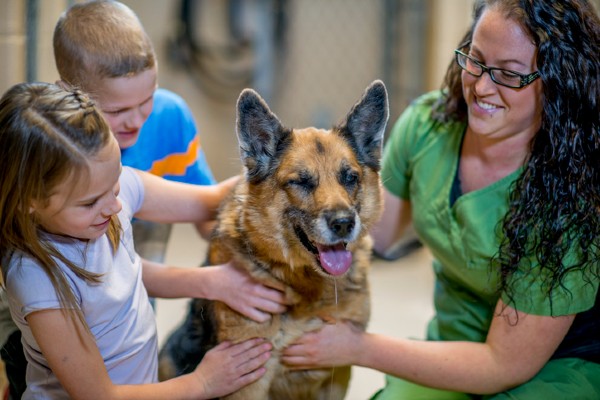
(47, 136)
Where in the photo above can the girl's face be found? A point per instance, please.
(84, 211)
(495, 111)
(126, 103)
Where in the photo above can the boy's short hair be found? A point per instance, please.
(100, 39)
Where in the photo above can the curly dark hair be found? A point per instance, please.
(555, 203)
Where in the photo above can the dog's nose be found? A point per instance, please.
(341, 226)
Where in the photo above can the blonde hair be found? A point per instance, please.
(100, 39)
(47, 135)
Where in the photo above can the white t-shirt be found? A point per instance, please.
(117, 311)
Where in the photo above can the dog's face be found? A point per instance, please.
(312, 192)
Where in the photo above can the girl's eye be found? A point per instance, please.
(92, 204)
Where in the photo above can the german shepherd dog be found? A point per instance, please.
(299, 216)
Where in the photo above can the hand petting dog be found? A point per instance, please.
(235, 287)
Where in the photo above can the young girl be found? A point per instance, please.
(76, 287)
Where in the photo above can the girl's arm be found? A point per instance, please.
(166, 201)
(170, 202)
(73, 356)
(231, 285)
(512, 354)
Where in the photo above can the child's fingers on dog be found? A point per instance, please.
(250, 377)
(228, 367)
(279, 286)
(269, 303)
(271, 293)
(248, 348)
(259, 315)
(252, 360)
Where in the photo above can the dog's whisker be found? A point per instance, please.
(331, 383)
(336, 292)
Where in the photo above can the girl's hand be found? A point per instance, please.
(229, 367)
(247, 296)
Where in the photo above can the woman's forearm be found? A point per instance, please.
(457, 366)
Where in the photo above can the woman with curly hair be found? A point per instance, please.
(498, 172)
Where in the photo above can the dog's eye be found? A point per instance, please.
(349, 178)
(304, 182)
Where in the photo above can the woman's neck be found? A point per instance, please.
(485, 160)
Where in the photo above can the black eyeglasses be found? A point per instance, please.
(500, 76)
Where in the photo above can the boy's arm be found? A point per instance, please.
(74, 358)
(172, 202)
(205, 228)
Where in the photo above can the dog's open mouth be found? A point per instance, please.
(334, 259)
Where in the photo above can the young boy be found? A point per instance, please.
(154, 127)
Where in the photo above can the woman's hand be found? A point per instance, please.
(333, 345)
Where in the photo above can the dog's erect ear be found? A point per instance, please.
(260, 134)
(364, 126)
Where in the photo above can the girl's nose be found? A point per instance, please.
(113, 207)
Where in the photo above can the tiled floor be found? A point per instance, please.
(401, 298)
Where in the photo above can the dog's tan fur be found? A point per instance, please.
(320, 184)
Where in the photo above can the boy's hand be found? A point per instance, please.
(229, 367)
(247, 296)
(228, 184)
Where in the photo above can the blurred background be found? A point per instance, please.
(311, 60)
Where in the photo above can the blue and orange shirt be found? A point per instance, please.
(169, 144)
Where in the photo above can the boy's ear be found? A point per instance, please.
(63, 85)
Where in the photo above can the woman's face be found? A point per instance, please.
(496, 111)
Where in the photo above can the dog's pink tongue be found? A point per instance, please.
(335, 259)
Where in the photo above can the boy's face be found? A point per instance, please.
(126, 102)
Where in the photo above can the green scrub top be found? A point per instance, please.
(420, 162)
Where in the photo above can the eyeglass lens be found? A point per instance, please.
(498, 75)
